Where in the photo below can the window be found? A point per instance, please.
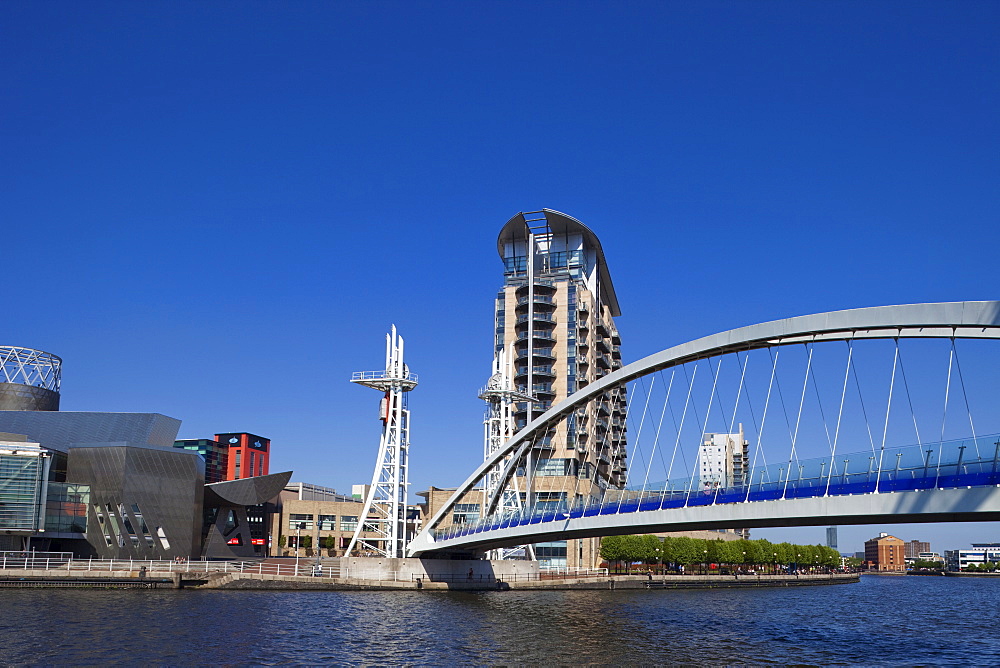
(327, 522)
(348, 523)
(465, 512)
(300, 521)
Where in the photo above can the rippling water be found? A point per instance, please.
(882, 620)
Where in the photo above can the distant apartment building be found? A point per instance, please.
(722, 460)
(885, 553)
(913, 548)
(981, 553)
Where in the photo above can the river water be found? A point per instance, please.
(884, 620)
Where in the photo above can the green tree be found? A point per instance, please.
(307, 542)
(686, 550)
(611, 549)
(651, 549)
(668, 550)
(282, 541)
(632, 548)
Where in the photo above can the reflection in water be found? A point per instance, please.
(884, 620)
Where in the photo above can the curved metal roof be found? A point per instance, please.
(517, 227)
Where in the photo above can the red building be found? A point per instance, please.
(248, 455)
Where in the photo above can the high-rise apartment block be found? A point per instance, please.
(555, 317)
(722, 460)
(913, 548)
(557, 309)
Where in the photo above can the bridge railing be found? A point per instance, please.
(970, 462)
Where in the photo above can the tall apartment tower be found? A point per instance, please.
(557, 306)
(722, 460)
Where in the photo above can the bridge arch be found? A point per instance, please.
(947, 320)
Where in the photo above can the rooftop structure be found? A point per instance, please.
(29, 379)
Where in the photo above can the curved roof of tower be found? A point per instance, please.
(560, 223)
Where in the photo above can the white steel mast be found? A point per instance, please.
(501, 395)
(384, 513)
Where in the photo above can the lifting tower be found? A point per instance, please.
(501, 395)
(384, 513)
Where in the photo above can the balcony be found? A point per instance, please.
(602, 328)
(541, 370)
(539, 334)
(542, 353)
(538, 299)
(537, 317)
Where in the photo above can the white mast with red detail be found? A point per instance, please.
(382, 526)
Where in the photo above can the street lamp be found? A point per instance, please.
(774, 564)
(706, 562)
(298, 543)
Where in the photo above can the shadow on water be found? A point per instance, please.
(883, 620)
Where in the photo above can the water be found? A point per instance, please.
(882, 620)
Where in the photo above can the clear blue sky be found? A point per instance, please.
(216, 210)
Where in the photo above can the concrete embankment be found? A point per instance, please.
(254, 581)
(391, 579)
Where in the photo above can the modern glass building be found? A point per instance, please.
(214, 454)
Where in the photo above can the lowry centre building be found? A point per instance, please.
(116, 485)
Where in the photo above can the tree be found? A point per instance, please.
(611, 549)
(282, 541)
(307, 542)
(651, 549)
(632, 549)
(686, 550)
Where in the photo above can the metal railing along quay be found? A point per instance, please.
(69, 565)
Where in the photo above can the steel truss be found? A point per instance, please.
(384, 513)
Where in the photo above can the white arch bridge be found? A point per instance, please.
(848, 417)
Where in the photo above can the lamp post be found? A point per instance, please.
(298, 543)
(744, 559)
(706, 562)
(774, 564)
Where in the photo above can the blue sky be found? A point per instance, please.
(216, 210)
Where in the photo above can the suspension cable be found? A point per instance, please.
(704, 424)
(656, 437)
(760, 434)
(798, 419)
(961, 380)
(888, 407)
(840, 415)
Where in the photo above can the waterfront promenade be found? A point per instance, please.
(333, 574)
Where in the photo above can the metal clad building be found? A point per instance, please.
(59, 429)
(145, 501)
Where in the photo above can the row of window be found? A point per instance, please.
(306, 522)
